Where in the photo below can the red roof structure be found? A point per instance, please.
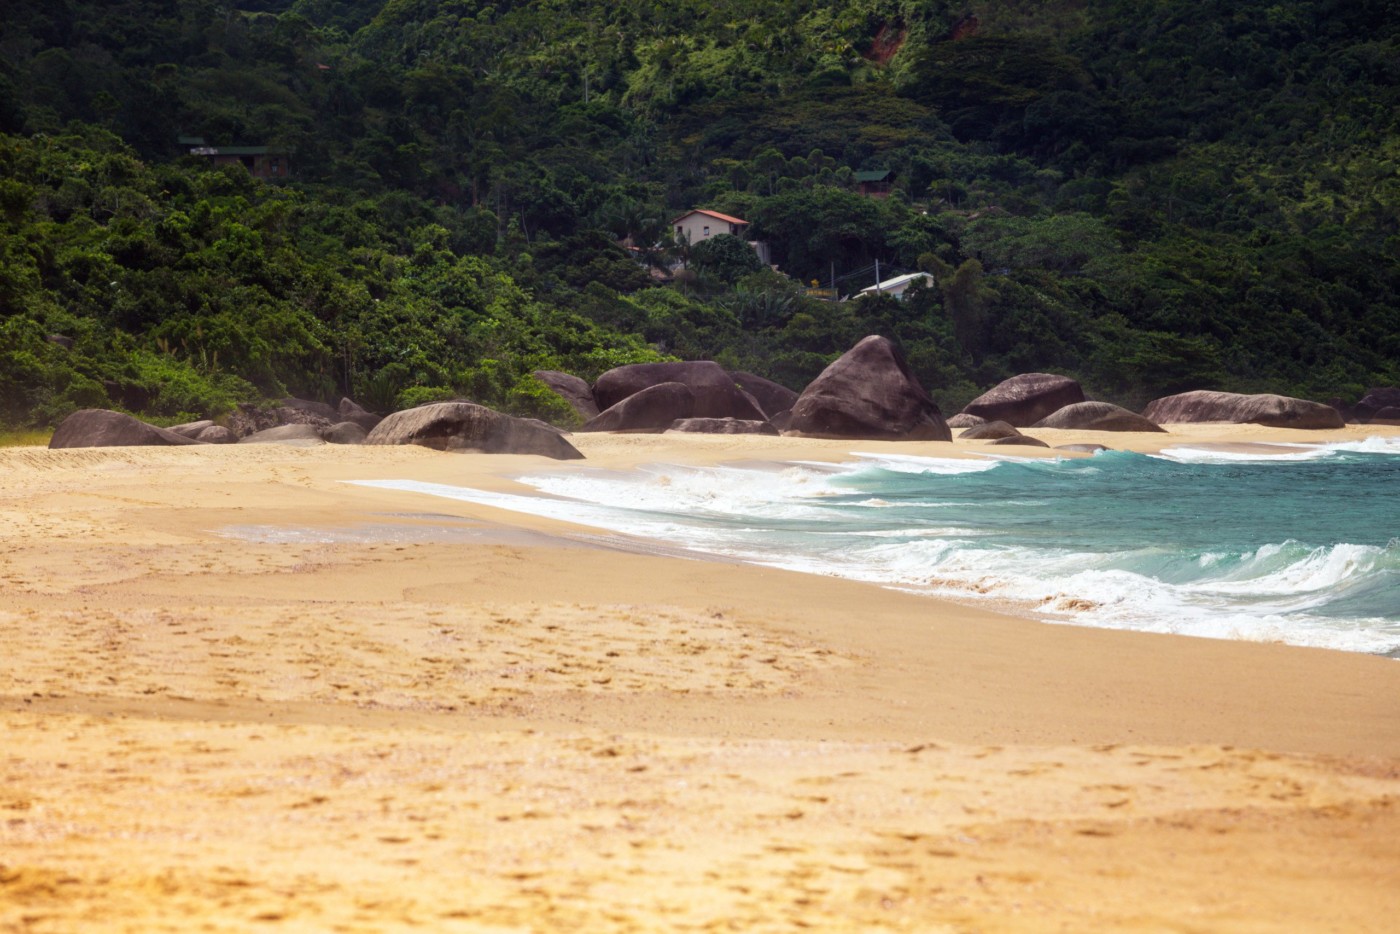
(715, 214)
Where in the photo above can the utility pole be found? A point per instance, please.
(877, 275)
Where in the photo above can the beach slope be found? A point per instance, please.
(238, 692)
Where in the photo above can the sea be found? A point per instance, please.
(1298, 545)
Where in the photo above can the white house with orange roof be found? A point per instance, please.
(697, 225)
(701, 224)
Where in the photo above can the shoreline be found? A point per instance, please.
(241, 731)
(533, 498)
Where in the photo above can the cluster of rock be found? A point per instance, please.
(448, 426)
(293, 421)
(1380, 406)
(868, 393)
(1204, 405)
(1043, 400)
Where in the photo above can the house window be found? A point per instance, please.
(707, 231)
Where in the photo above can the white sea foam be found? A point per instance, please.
(908, 463)
(788, 517)
(1286, 452)
(707, 491)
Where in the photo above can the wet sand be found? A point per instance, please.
(238, 693)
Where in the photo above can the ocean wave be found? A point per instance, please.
(1340, 597)
(909, 463)
(1285, 453)
(1122, 540)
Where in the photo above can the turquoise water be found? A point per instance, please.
(1300, 547)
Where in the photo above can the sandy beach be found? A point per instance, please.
(239, 693)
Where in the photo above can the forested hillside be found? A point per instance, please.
(1149, 196)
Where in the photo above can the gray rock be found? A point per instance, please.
(309, 407)
(248, 418)
(771, 397)
(868, 393)
(101, 428)
(722, 426)
(217, 434)
(1376, 399)
(301, 435)
(191, 429)
(963, 420)
(466, 426)
(715, 394)
(1022, 440)
(1097, 416)
(653, 409)
(1204, 405)
(349, 411)
(572, 390)
(1026, 399)
(344, 433)
(1390, 415)
(988, 431)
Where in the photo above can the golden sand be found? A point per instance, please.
(237, 693)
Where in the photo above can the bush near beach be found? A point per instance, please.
(1150, 197)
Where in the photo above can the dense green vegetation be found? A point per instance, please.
(1150, 196)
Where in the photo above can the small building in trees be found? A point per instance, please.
(875, 183)
(260, 161)
(700, 224)
(897, 286)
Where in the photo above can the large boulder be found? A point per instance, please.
(1377, 398)
(101, 428)
(309, 407)
(216, 434)
(1025, 441)
(248, 419)
(963, 420)
(191, 429)
(1390, 415)
(301, 435)
(1204, 405)
(722, 426)
(869, 393)
(1097, 416)
(1343, 408)
(988, 431)
(652, 409)
(347, 410)
(344, 433)
(466, 426)
(715, 394)
(572, 390)
(772, 397)
(1026, 399)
